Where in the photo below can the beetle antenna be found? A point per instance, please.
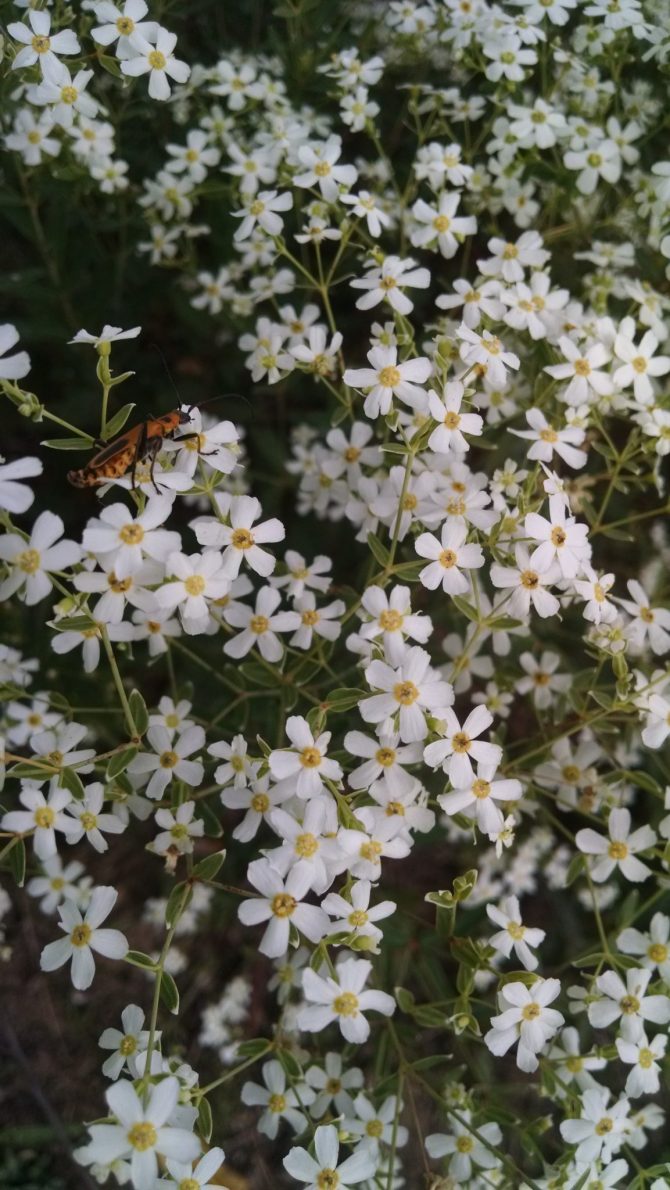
(168, 373)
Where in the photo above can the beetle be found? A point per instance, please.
(139, 443)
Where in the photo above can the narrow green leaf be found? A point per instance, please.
(208, 867)
(119, 763)
(379, 551)
(138, 710)
(71, 781)
(118, 421)
(67, 443)
(138, 959)
(169, 993)
(213, 828)
(176, 904)
(205, 1123)
(17, 861)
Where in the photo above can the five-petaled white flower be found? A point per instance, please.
(83, 936)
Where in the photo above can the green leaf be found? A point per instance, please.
(72, 624)
(169, 993)
(204, 1124)
(138, 959)
(138, 710)
(118, 421)
(119, 763)
(67, 443)
(394, 448)
(208, 867)
(71, 781)
(111, 66)
(177, 903)
(432, 1018)
(16, 857)
(254, 1048)
(379, 552)
(466, 608)
(404, 999)
(344, 698)
(30, 771)
(290, 1064)
(213, 828)
(257, 674)
(409, 570)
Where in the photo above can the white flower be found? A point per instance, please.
(193, 580)
(280, 903)
(388, 378)
(342, 999)
(386, 282)
(525, 1018)
(40, 45)
(477, 796)
(643, 1056)
(448, 554)
(529, 585)
(409, 691)
(12, 367)
(126, 1043)
(442, 224)
(652, 947)
(366, 206)
(16, 497)
(594, 590)
(452, 424)
(179, 830)
(30, 561)
(63, 94)
(280, 1102)
(57, 883)
(321, 169)
(393, 621)
(464, 1147)
(307, 766)
(487, 351)
(168, 759)
(649, 624)
(561, 537)
(600, 1130)
(121, 22)
(108, 335)
(143, 1132)
(83, 936)
(547, 440)
(640, 362)
(119, 538)
(90, 822)
(617, 852)
(601, 158)
(240, 542)
(628, 1003)
(376, 1126)
(323, 621)
(43, 816)
(333, 1084)
(475, 301)
(195, 157)
(514, 936)
(453, 752)
(584, 369)
(510, 260)
(196, 1177)
(262, 209)
(31, 137)
(159, 60)
(260, 626)
(325, 1170)
(356, 916)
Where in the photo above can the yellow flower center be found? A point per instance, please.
(529, 579)
(57, 883)
(385, 757)
(598, 594)
(157, 61)
(452, 420)
(639, 364)
(645, 1058)
(179, 830)
(582, 367)
(189, 1184)
(44, 817)
(277, 1103)
(306, 846)
(604, 1126)
(128, 1045)
(88, 821)
(571, 773)
(242, 539)
(322, 169)
(456, 507)
(441, 223)
(389, 377)
(334, 1086)
(657, 952)
(531, 1011)
(310, 758)
(558, 536)
(168, 760)
(515, 931)
(448, 558)
(465, 1144)
(28, 561)
(283, 905)
(125, 26)
(574, 1064)
(81, 934)
(461, 742)
(131, 534)
(388, 283)
(405, 693)
(617, 850)
(629, 1005)
(647, 615)
(395, 808)
(68, 95)
(310, 618)
(346, 1004)
(390, 620)
(548, 435)
(194, 584)
(260, 802)
(118, 585)
(259, 624)
(510, 252)
(328, 1179)
(357, 919)
(34, 136)
(374, 1128)
(481, 788)
(142, 1136)
(352, 454)
(41, 45)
